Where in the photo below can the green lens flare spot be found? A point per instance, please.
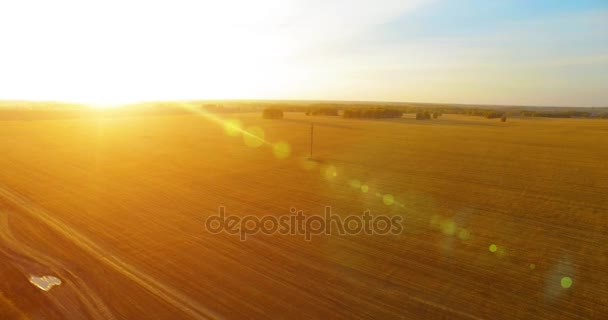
(233, 127)
(330, 172)
(281, 150)
(464, 234)
(388, 199)
(566, 282)
(448, 227)
(493, 248)
(364, 188)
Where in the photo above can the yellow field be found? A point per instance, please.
(116, 207)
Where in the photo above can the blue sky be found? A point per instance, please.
(442, 18)
(496, 52)
(469, 51)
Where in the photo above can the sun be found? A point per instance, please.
(101, 106)
(107, 102)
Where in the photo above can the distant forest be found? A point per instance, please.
(23, 110)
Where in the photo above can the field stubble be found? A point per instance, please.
(116, 207)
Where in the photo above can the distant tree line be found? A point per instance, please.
(563, 114)
(422, 111)
(11, 110)
(322, 111)
(494, 114)
(272, 113)
(423, 115)
(373, 113)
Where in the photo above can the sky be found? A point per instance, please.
(512, 52)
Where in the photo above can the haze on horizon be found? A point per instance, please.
(472, 51)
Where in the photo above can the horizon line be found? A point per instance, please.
(67, 102)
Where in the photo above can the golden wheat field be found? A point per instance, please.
(500, 220)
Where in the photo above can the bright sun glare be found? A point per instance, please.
(184, 50)
(115, 52)
(98, 105)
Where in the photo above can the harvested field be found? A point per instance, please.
(500, 220)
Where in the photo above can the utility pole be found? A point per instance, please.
(311, 139)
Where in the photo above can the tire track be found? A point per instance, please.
(30, 258)
(179, 300)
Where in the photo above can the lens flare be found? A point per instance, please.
(355, 183)
(233, 127)
(448, 227)
(464, 234)
(388, 199)
(330, 172)
(253, 137)
(281, 150)
(566, 282)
